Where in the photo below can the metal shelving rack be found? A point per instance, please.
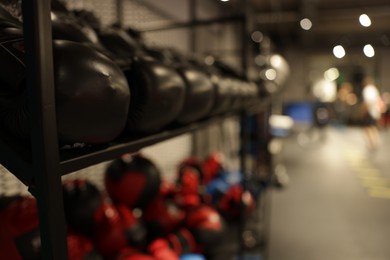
(40, 164)
(46, 182)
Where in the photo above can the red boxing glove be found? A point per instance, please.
(236, 201)
(162, 216)
(207, 227)
(188, 188)
(132, 254)
(19, 232)
(80, 247)
(135, 231)
(182, 242)
(132, 180)
(160, 250)
(212, 166)
(109, 235)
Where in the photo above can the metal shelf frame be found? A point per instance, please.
(72, 162)
(18, 159)
(41, 164)
(46, 183)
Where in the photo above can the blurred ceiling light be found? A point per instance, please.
(339, 51)
(369, 50)
(364, 20)
(325, 91)
(351, 99)
(306, 24)
(281, 121)
(270, 74)
(209, 60)
(331, 74)
(224, 0)
(260, 60)
(270, 86)
(276, 61)
(257, 36)
(370, 93)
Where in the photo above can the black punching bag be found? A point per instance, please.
(199, 89)
(92, 94)
(67, 26)
(223, 95)
(157, 89)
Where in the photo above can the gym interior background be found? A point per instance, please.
(324, 191)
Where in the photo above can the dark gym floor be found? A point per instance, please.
(337, 204)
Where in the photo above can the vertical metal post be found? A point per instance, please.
(193, 18)
(119, 12)
(244, 122)
(40, 83)
(244, 44)
(192, 5)
(244, 66)
(267, 194)
(244, 138)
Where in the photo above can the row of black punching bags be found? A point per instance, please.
(108, 83)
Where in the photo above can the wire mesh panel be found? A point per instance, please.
(141, 17)
(94, 174)
(167, 155)
(9, 184)
(223, 138)
(104, 9)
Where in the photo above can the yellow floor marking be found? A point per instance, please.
(356, 163)
(374, 178)
(380, 193)
(359, 163)
(364, 164)
(370, 177)
(351, 151)
(353, 157)
(378, 187)
(374, 182)
(368, 172)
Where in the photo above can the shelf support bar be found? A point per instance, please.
(196, 23)
(40, 83)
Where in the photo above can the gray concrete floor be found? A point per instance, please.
(337, 205)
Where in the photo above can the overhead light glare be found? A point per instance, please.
(224, 0)
(331, 74)
(338, 51)
(260, 60)
(364, 20)
(306, 24)
(325, 91)
(209, 60)
(369, 50)
(276, 61)
(257, 36)
(270, 74)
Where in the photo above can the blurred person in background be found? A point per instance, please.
(344, 104)
(385, 120)
(372, 109)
